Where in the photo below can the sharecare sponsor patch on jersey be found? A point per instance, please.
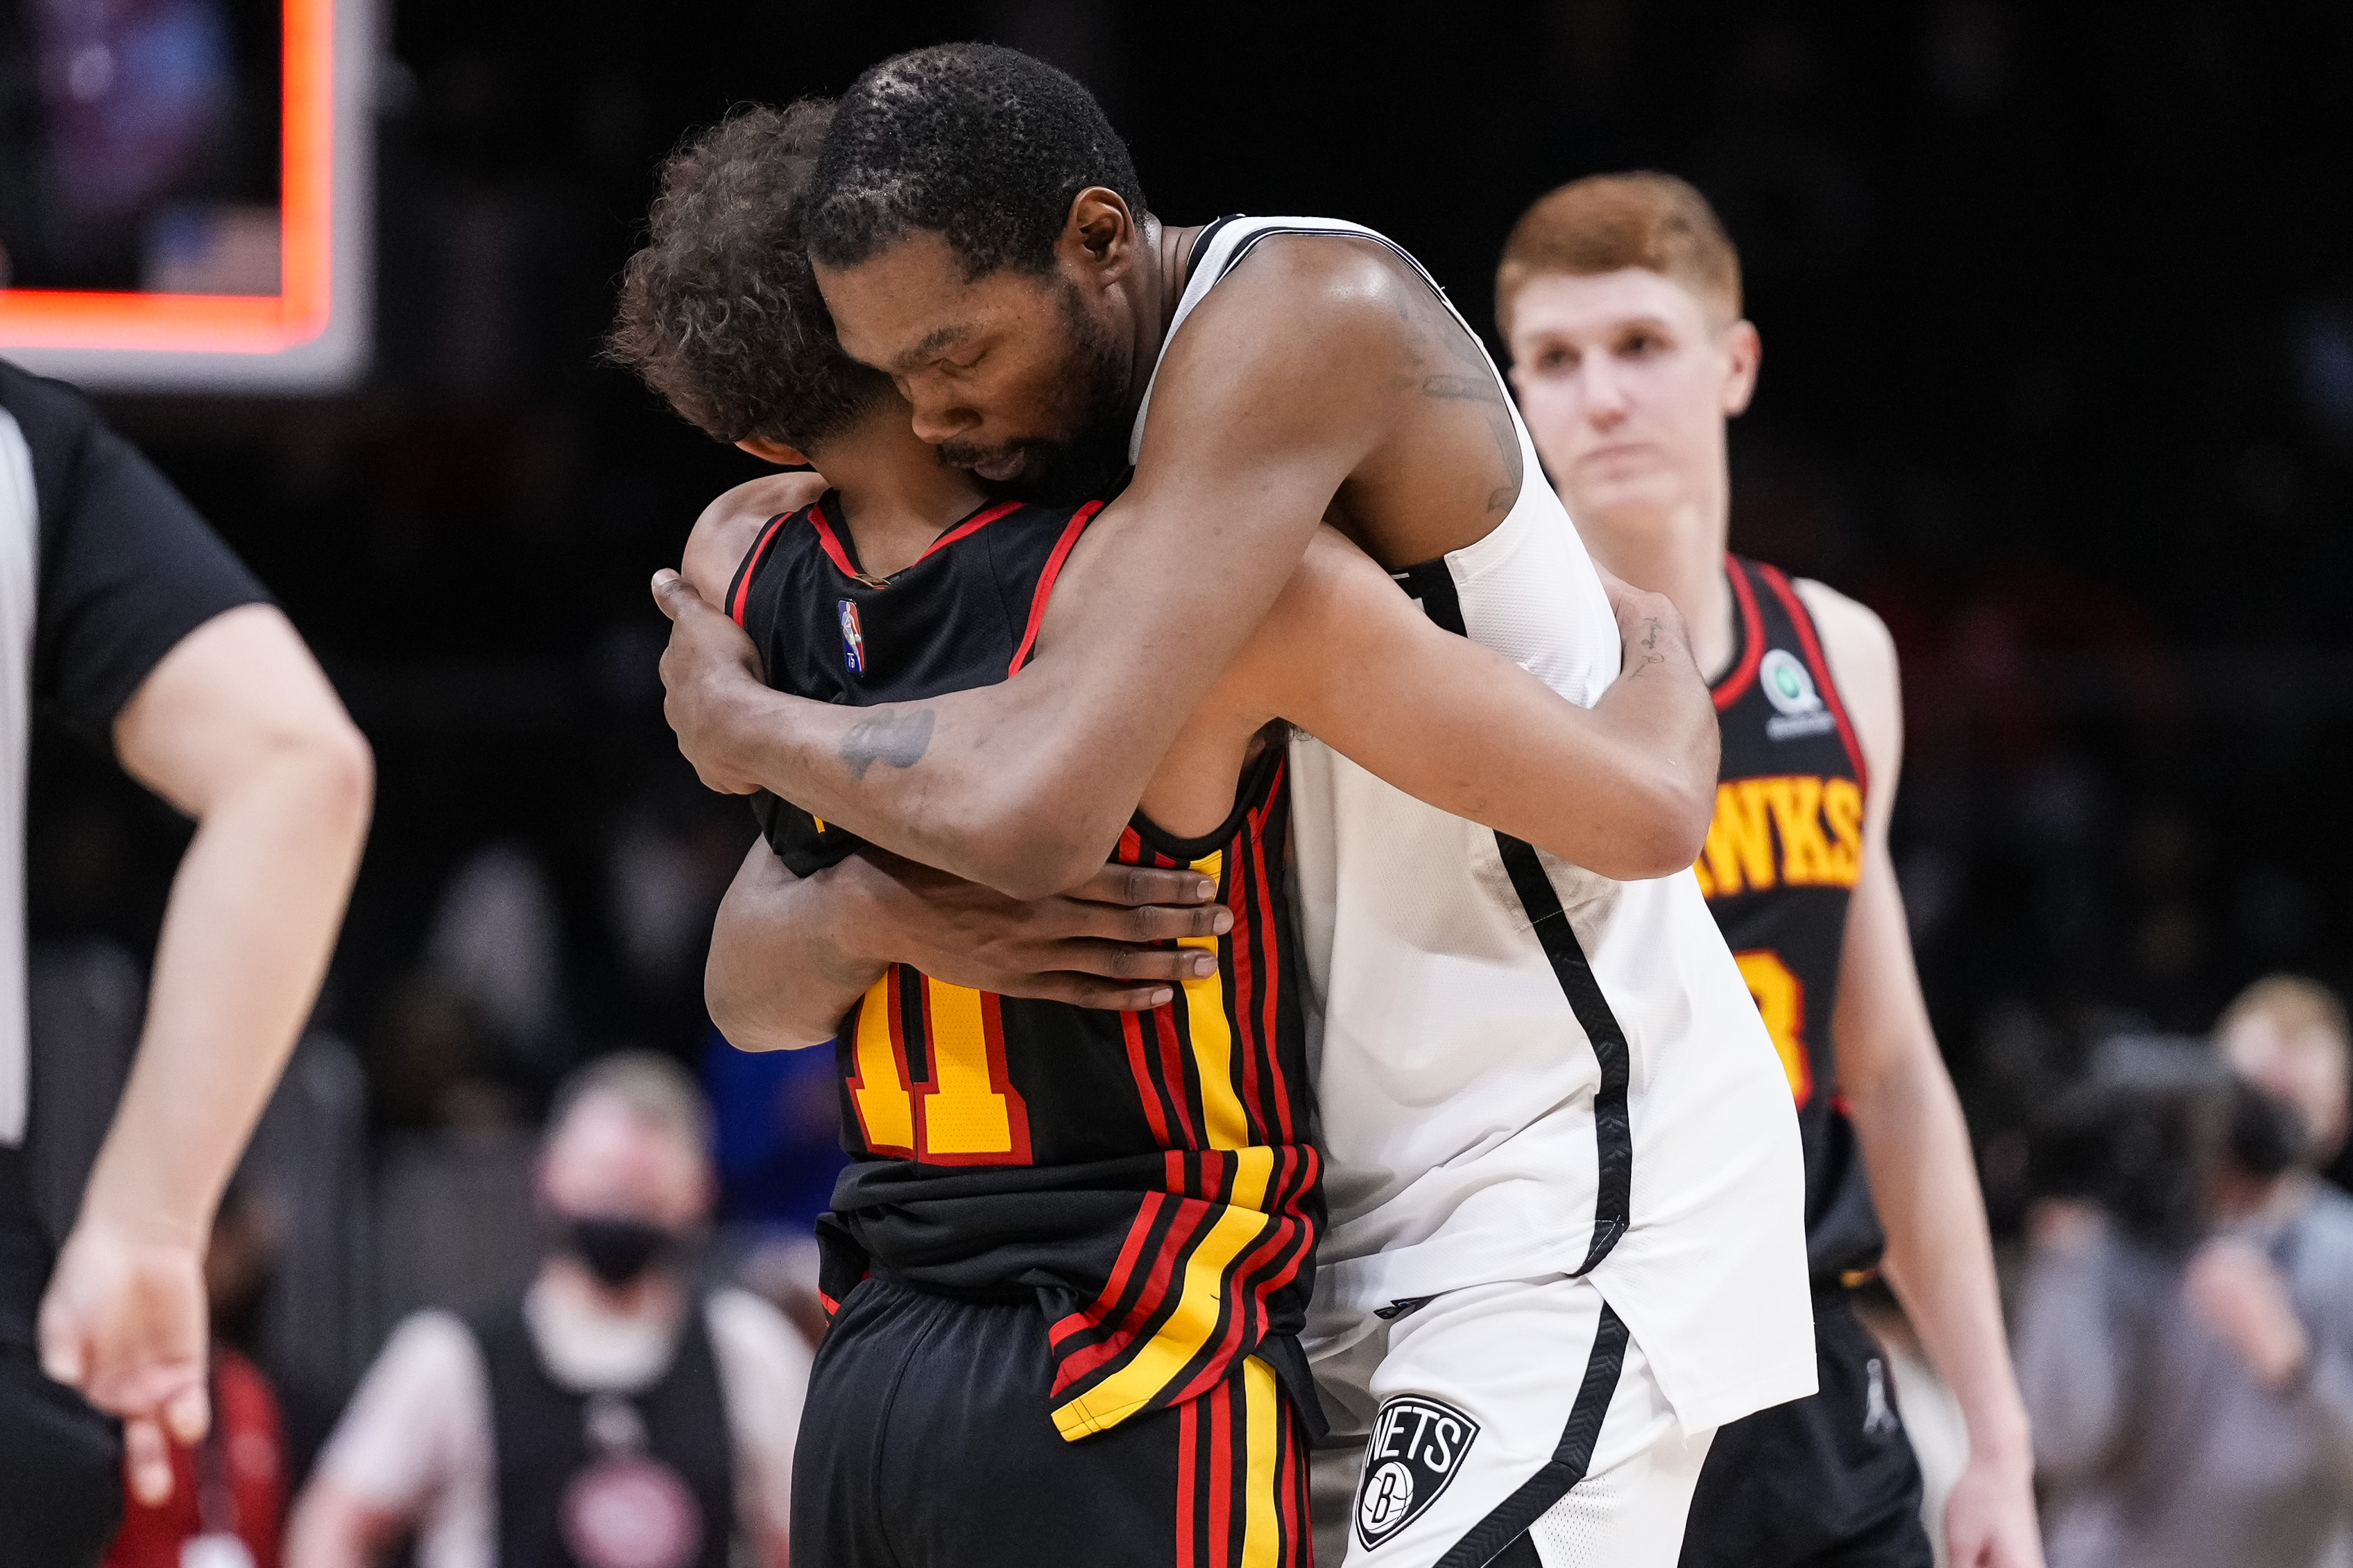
(1416, 1446)
(1785, 684)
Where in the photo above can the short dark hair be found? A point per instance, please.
(981, 144)
(719, 313)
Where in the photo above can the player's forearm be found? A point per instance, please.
(779, 976)
(1645, 770)
(1619, 799)
(1667, 746)
(987, 784)
(1660, 743)
(1939, 1253)
(1623, 789)
(246, 934)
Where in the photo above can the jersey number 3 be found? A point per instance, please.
(968, 1112)
(1781, 999)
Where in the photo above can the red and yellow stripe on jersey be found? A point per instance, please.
(1241, 1476)
(1147, 1173)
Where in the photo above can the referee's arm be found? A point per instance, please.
(153, 640)
(238, 727)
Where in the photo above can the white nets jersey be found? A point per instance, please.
(1525, 1068)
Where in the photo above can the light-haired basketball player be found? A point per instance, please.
(1563, 1172)
(1619, 296)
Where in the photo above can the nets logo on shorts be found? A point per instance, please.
(1416, 1446)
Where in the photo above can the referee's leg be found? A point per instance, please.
(60, 1460)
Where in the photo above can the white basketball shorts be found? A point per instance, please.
(1514, 1423)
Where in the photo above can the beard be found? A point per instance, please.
(1090, 461)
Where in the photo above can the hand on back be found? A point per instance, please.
(1105, 943)
(709, 657)
(705, 670)
(1648, 624)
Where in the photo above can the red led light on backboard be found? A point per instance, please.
(311, 332)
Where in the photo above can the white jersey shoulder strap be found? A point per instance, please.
(1222, 245)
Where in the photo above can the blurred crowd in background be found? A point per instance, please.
(2059, 379)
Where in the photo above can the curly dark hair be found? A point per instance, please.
(982, 144)
(719, 313)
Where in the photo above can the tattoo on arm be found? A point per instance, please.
(1477, 382)
(1649, 644)
(1482, 388)
(1507, 443)
(1475, 388)
(898, 739)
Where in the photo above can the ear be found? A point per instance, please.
(1744, 351)
(1101, 236)
(775, 452)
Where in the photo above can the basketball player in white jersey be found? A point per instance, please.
(1619, 299)
(1565, 1178)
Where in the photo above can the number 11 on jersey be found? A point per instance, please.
(967, 1112)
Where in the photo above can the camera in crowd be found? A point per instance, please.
(2156, 1128)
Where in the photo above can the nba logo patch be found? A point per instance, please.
(853, 639)
(1417, 1448)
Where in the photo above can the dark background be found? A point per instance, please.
(2059, 322)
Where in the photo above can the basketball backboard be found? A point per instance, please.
(187, 207)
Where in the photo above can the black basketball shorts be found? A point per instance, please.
(1824, 1482)
(927, 1442)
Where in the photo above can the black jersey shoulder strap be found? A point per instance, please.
(1767, 594)
(739, 587)
(1747, 628)
(1259, 781)
(1046, 581)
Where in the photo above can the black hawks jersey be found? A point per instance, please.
(1782, 855)
(1150, 1177)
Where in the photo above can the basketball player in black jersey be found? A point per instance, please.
(1008, 276)
(1620, 299)
(1080, 1241)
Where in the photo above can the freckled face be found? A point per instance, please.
(1625, 383)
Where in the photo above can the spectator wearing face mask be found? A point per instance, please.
(610, 1415)
(2193, 1396)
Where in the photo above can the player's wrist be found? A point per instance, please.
(742, 722)
(123, 1214)
(2003, 1447)
(867, 910)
